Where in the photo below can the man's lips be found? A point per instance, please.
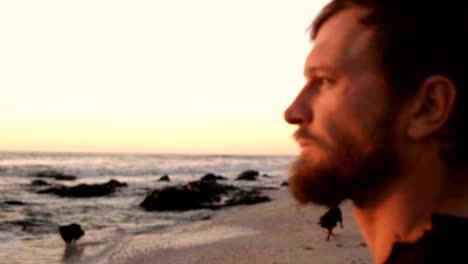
(303, 138)
(306, 139)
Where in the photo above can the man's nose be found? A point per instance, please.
(299, 111)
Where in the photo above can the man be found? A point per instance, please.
(383, 121)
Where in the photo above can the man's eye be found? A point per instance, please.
(321, 82)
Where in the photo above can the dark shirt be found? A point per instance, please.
(446, 243)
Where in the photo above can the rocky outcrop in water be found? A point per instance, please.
(165, 177)
(85, 190)
(212, 176)
(204, 193)
(39, 182)
(13, 202)
(248, 175)
(57, 175)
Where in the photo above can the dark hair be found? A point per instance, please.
(413, 41)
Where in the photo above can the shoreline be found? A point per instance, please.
(279, 231)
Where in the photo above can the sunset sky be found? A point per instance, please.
(173, 76)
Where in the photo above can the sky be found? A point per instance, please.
(173, 76)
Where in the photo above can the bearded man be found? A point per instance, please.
(383, 121)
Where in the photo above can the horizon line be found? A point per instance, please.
(142, 153)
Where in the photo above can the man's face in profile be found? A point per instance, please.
(347, 127)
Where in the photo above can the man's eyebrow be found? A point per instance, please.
(312, 70)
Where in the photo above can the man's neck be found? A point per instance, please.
(405, 213)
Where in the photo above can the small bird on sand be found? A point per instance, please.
(330, 219)
(71, 233)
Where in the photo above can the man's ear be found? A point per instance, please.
(431, 106)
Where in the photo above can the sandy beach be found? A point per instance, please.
(277, 232)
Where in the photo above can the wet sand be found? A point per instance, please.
(276, 232)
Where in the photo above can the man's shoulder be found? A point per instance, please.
(445, 243)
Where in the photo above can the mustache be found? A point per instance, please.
(302, 133)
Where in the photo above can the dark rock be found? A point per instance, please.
(57, 175)
(248, 175)
(211, 176)
(175, 199)
(14, 202)
(65, 178)
(165, 177)
(85, 190)
(263, 188)
(209, 187)
(198, 195)
(81, 190)
(115, 183)
(71, 233)
(39, 183)
(246, 197)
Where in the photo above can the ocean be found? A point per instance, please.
(28, 232)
